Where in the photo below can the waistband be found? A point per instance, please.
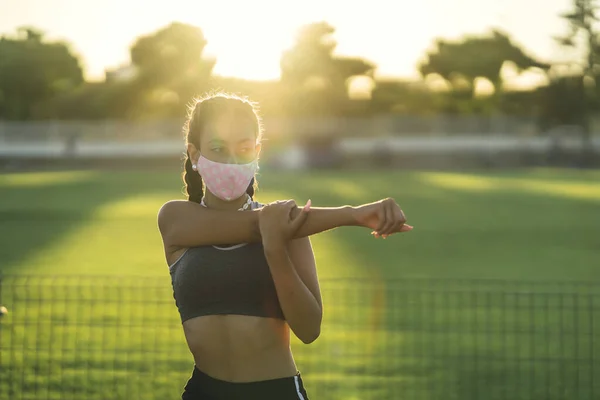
(202, 386)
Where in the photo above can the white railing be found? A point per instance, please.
(395, 134)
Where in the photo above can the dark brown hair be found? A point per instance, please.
(202, 111)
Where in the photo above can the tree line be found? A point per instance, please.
(43, 79)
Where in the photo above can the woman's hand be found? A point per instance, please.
(278, 224)
(384, 217)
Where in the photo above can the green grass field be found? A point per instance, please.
(453, 310)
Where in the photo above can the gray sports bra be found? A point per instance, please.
(210, 280)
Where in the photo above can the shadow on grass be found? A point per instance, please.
(35, 213)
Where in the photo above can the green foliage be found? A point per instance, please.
(42, 79)
(167, 71)
(33, 71)
(171, 66)
(411, 98)
(460, 63)
(314, 80)
(582, 22)
(100, 100)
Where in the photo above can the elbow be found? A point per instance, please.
(310, 337)
(314, 332)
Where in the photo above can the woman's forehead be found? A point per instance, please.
(229, 130)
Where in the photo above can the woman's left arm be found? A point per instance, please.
(294, 272)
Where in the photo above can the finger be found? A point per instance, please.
(403, 228)
(301, 217)
(400, 219)
(291, 205)
(287, 203)
(288, 206)
(401, 215)
(384, 220)
(308, 205)
(389, 220)
(380, 217)
(406, 228)
(395, 216)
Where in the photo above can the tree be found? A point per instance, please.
(581, 23)
(100, 100)
(316, 80)
(310, 56)
(563, 102)
(32, 71)
(404, 97)
(460, 63)
(170, 63)
(167, 70)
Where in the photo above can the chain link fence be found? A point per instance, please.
(95, 337)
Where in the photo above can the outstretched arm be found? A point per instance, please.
(188, 224)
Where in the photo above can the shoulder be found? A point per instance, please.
(174, 208)
(171, 207)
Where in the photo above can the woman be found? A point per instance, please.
(238, 302)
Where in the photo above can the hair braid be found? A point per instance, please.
(250, 190)
(193, 181)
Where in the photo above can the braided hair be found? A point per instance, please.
(200, 113)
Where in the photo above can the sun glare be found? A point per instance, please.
(246, 43)
(247, 38)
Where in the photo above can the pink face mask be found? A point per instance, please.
(226, 181)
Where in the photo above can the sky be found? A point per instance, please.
(248, 36)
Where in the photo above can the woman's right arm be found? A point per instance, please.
(187, 224)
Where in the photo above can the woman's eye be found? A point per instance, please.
(217, 149)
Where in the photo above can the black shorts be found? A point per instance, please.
(203, 387)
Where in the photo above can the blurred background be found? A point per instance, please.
(480, 117)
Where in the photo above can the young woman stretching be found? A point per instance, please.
(244, 273)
